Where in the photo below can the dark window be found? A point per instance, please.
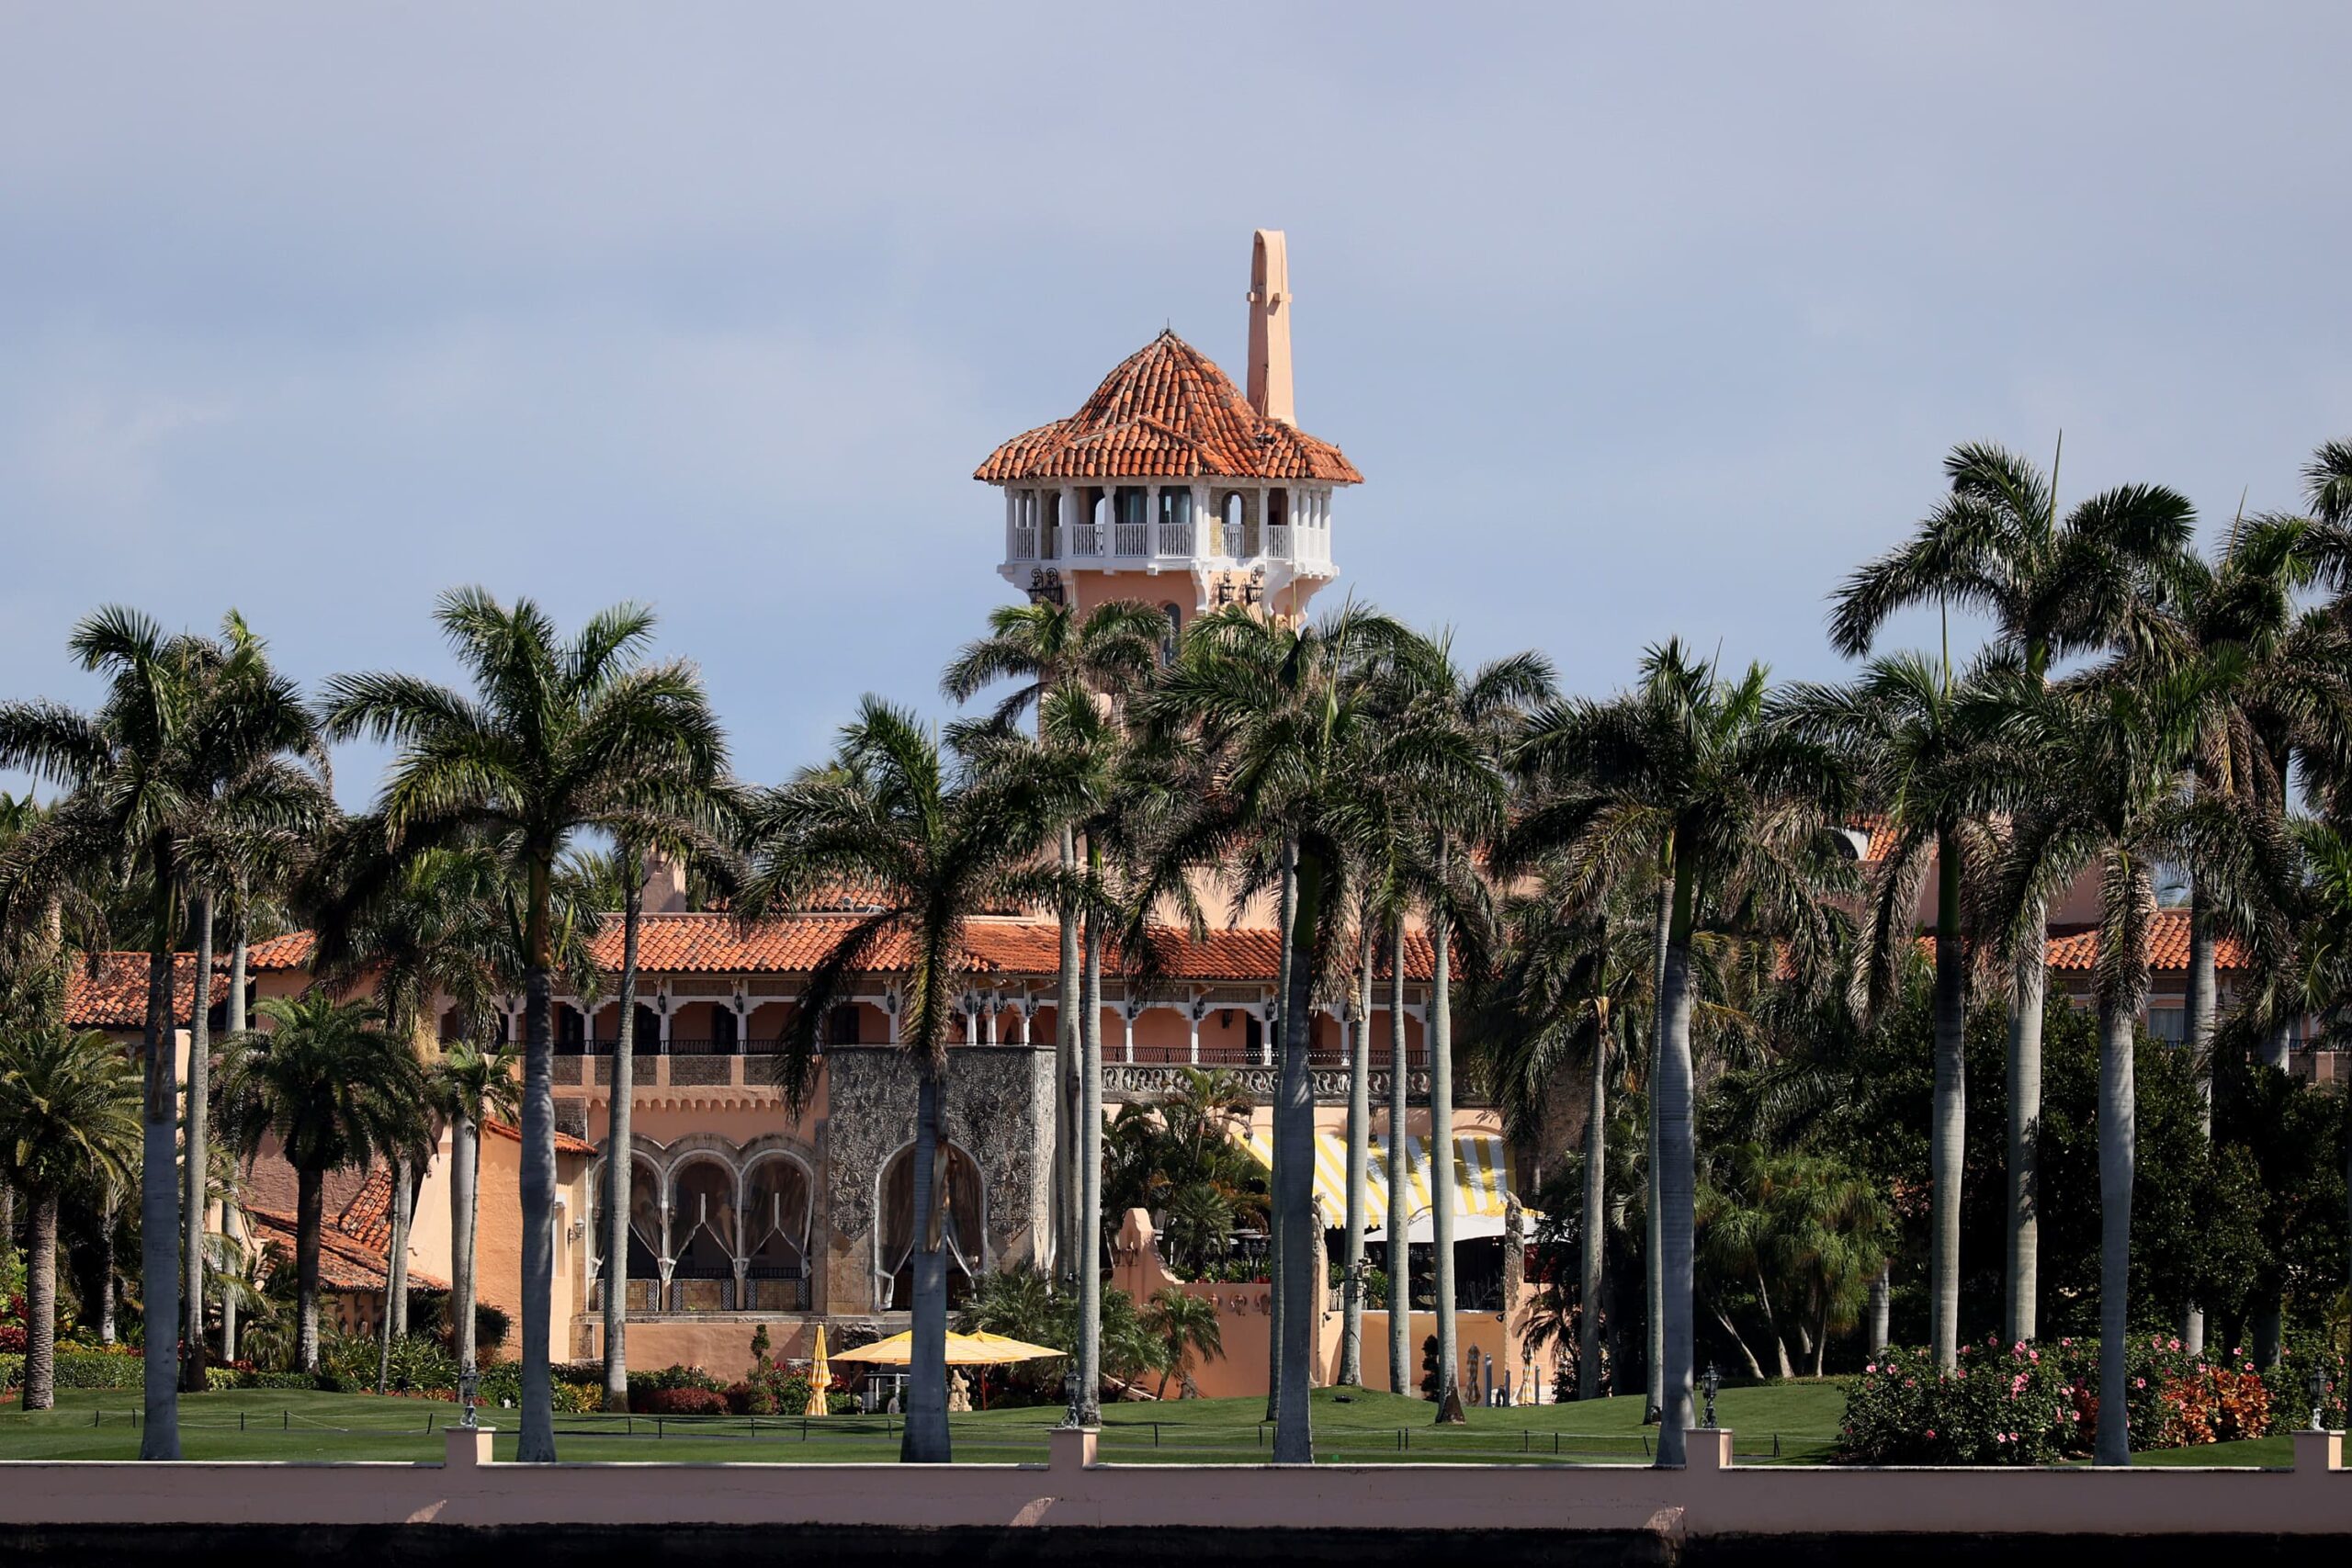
(840, 1026)
(725, 1028)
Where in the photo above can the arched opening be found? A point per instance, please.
(1175, 520)
(777, 1211)
(647, 1026)
(964, 1227)
(703, 1231)
(644, 1234)
(1233, 520)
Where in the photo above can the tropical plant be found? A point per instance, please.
(333, 1090)
(469, 1085)
(559, 737)
(69, 1110)
(2055, 589)
(1694, 769)
(192, 746)
(930, 840)
(1186, 1327)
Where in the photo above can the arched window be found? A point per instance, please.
(703, 1231)
(776, 1209)
(644, 1232)
(1233, 518)
(964, 1227)
(1175, 520)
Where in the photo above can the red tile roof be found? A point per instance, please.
(1167, 410)
(2075, 949)
(114, 995)
(565, 1144)
(291, 950)
(344, 1264)
(367, 1218)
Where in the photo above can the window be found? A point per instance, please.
(725, 1028)
(841, 1025)
(2170, 1024)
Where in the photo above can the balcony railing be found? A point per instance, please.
(1024, 541)
(1233, 539)
(1086, 539)
(763, 1288)
(1131, 538)
(1278, 540)
(1176, 539)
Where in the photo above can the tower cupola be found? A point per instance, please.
(1169, 485)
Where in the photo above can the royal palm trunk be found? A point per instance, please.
(1302, 1240)
(2023, 1276)
(159, 1188)
(1676, 1177)
(925, 1438)
(309, 1213)
(1440, 1043)
(1278, 1141)
(395, 1322)
(1595, 1196)
(2117, 1111)
(617, 1171)
(1067, 1074)
(1882, 1306)
(194, 1154)
(464, 1168)
(1359, 1164)
(1400, 1248)
(2197, 1036)
(1653, 1223)
(40, 1303)
(1948, 1140)
(232, 1226)
(536, 1445)
(1090, 1206)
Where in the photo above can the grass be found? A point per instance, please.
(1795, 1421)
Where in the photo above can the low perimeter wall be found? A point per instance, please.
(1713, 1497)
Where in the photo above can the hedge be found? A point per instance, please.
(83, 1368)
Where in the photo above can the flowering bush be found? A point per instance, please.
(13, 1338)
(681, 1402)
(2038, 1404)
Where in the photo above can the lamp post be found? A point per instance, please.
(1713, 1381)
(2319, 1395)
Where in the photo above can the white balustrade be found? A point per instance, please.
(1024, 541)
(1176, 538)
(1131, 538)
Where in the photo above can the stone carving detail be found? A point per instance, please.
(998, 1110)
(572, 1116)
(698, 1071)
(1143, 1080)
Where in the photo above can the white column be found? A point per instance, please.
(1127, 1011)
(1192, 1044)
(1266, 1034)
(1011, 517)
(996, 1004)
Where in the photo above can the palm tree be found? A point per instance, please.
(1293, 724)
(1574, 973)
(1046, 647)
(1928, 752)
(1695, 763)
(933, 840)
(2055, 588)
(69, 1110)
(2114, 744)
(1484, 708)
(559, 737)
(469, 1085)
(1186, 1327)
(334, 1090)
(148, 779)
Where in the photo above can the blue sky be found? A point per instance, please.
(1639, 321)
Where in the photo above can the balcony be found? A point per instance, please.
(763, 1288)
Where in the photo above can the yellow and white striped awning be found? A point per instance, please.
(1482, 1175)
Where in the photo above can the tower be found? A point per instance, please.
(1168, 485)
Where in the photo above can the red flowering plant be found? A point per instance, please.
(2004, 1404)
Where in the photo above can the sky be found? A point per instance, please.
(1639, 321)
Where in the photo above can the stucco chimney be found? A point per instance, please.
(1269, 327)
(665, 884)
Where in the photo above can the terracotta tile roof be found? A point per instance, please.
(115, 995)
(2075, 949)
(565, 1144)
(367, 1218)
(291, 950)
(343, 1264)
(1167, 410)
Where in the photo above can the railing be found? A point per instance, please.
(763, 1288)
(705, 1047)
(1176, 538)
(1233, 539)
(1131, 538)
(1278, 540)
(642, 1295)
(1086, 539)
(1024, 541)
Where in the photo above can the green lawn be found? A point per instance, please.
(1798, 1419)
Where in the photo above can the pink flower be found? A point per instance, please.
(1870, 1366)
(2017, 1349)
(2139, 1382)
(2157, 1342)
(1931, 1432)
(2175, 1344)
(2065, 1344)
(2034, 1356)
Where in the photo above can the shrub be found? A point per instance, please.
(218, 1380)
(675, 1376)
(13, 1338)
(574, 1388)
(681, 1402)
(110, 1370)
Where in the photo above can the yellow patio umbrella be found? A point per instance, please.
(963, 1350)
(820, 1372)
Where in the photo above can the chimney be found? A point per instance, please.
(665, 884)
(1269, 328)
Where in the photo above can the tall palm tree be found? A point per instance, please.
(334, 1090)
(2113, 745)
(1293, 723)
(1928, 752)
(2055, 588)
(469, 1085)
(932, 840)
(69, 1110)
(559, 737)
(1484, 708)
(144, 776)
(1696, 762)
(1046, 646)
